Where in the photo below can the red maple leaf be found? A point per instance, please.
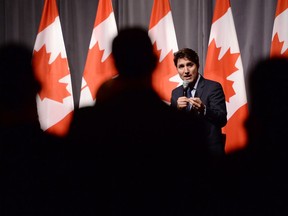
(97, 72)
(50, 74)
(219, 70)
(164, 71)
(277, 47)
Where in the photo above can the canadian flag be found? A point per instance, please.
(99, 65)
(279, 42)
(224, 64)
(55, 100)
(163, 37)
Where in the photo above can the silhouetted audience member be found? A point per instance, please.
(132, 154)
(27, 156)
(255, 178)
(267, 135)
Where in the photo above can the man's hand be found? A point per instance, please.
(197, 104)
(182, 102)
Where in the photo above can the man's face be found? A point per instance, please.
(187, 69)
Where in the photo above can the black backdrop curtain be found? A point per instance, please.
(19, 21)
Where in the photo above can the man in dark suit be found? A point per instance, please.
(201, 97)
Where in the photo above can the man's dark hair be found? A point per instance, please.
(186, 53)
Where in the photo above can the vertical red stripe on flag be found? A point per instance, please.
(224, 64)
(163, 36)
(279, 43)
(55, 100)
(160, 9)
(99, 65)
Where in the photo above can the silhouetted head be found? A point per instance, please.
(268, 89)
(186, 53)
(268, 110)
(18, 86)
(133, 53)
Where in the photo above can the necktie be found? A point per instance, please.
(189, 92)
(188, 96)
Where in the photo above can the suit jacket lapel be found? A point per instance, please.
(200, 87)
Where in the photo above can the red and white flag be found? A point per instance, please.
(279, 44)
(99, 65)
(163, 36)
(55, 100)
(224, 64)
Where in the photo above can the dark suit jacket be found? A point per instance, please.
(212, 95)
